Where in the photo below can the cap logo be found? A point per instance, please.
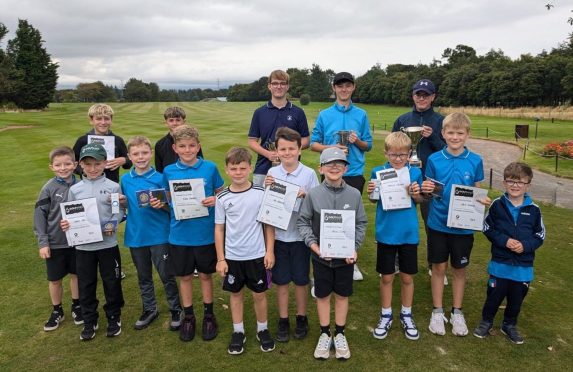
(424, 83)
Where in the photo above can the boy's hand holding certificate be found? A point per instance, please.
(393, 188)
(278, 204)
(83, 219)
(465, 210)
(186, 197)
(337, 229)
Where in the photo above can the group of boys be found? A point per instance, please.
(230, 241)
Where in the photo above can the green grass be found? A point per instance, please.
(546, 319)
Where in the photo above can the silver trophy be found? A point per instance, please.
(415, 135)
(273, 148)
(343, 136)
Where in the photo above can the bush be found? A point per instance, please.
(304, 99)
(564, 149)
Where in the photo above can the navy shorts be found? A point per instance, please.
(251, 273)
(61, 263)
(332, 279)
(292, 263)
(184, 259)
(407, 258)
(457, 247)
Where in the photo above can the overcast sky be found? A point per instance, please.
(182, 43)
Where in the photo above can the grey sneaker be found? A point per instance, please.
(146, 318)
(341, 347)
(175, 323)
(483, 329)
(322, 350)
(437, 323)
(459, 327)
(510, 330)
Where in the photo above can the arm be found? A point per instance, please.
(305, 142)
(256, 147)
(538, 235)
(41, 223)
(269, 232)
(304, 225)
(495, 236)
(222, 266)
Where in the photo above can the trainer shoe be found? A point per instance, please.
(283, 331)
(410, 330)
(312, 288)
(146, 318)
(237, 341)
(113, 327)
(122, 275)
(266, 341)
(483, 328)
(322, 350)
(54, 322)
(357, 275)
(510, 330)
(175, 323)
(89, 332)
(438, 323)
(301, 329)
(77, 315)
(187, 330)
(458, 322)
(341, 347)
(209, 328)
(384, 324)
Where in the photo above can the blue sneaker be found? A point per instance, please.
(410, 330)
(384, 325)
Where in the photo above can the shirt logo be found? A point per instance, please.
(289, 117)
(60, 195)
(346, 206)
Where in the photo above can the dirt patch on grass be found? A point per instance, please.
(16, 127)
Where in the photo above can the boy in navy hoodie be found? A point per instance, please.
(515, 228)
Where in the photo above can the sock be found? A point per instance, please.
(325, 329)
(386, 311)
(284, 320)
(59, 308)
(208, 308)
(239, 327)
(406, 309)
(75, 302)
(261, 326)
(338, 329)
(456, 310)
(438, 310)
(189, 310)
(301, 317)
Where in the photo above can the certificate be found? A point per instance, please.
(143, 196)
(83, 218)
(108, 143)
(465, 212)
(278, 204)
(393, 189)
(186, 197)
(337, 229)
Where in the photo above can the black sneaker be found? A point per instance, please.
(283, 331)
(510, 330)
(237, 341)
(483, 329)
(210, 328)
(175, 323)
(54, 322)
(145, 319)
(113, 327)
(301, 329)
(89, 332)
(77, 315)
(266, 341)
(187, 330)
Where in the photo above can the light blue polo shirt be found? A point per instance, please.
(145, 226)
(465, 169)
(194, 231)
(399, 226)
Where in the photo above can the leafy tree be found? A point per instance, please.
(319, 84)
(95, 92)
(136, 91)
(9, 76)
(38, 74)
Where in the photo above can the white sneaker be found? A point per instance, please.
(341, 347)
(383, 327)
(446, 280)
(438, 324)
(312, 288)
(322, 350)
(410, 330)
(459, 327)
(357, 275)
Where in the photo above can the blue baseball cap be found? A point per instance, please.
(424, 85)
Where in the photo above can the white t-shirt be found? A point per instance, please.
(304, 177)
(244, 237)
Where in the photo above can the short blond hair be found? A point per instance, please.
(100, 109)
(237, 155)
(138, 141)
(185, 132)
(397, 140)
(457, 120)
(279, 75)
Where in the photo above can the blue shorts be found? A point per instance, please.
(292, 263)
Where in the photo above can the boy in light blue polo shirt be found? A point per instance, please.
(397, 235)
(146, 233)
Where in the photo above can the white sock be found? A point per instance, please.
(238, 327)
(387, 311)
(406, 310)
(261, 326)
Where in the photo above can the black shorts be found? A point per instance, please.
(292, 263)
(407, 258)
(455, 246)
(184, 259)
(328, 279)
(61, 262)
(251, 273)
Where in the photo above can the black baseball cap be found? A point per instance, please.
(342, 77)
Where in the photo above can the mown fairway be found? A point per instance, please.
(546, 320)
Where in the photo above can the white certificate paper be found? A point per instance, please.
(393, 188)
(84, 221)
(278, 204)
(108, 143)
(465, 212)
(186, 196)
(337, 229)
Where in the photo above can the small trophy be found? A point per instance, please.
(415, 135)
(273, 148)
(343, 136)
